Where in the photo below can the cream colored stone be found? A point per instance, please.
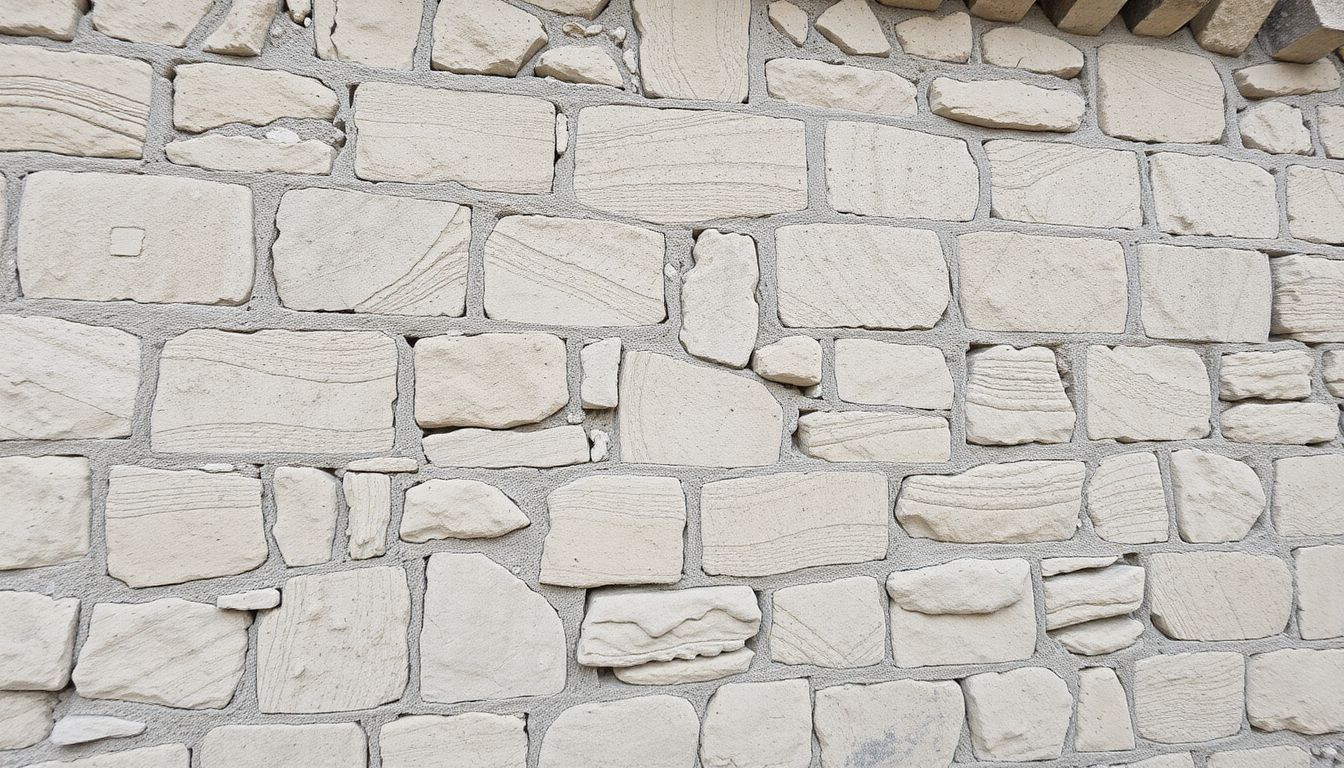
(1332, 368)
(1229, 26)
(792, 360)
(1276, 128)
(1296, 690)
(866, 436)
(693, 49)
(1284, 756)
(882, 170)
(1282, 375)
(1307, 298)
(330, 745)
(1054, 566)
(1082, 17)
(491, 380)
(1015, 396)
(1188, 697)
(614, 529)
(601, 364)
(471, 740)
(627, 628)
(1330, 124)
(789, 19)
(837, 86)
(486, 141)
(579, 64)
(1213, 196)
(880, 373)
(167, 756)
(854, 29)
(585, 8)
(963, 612)
(252, 155)
(244, 29)
(1146, 393)
(1100, 637)
(1006, 104)
(942, 38)
(57, 19)
(1002, 729)
(207, 96)
(1320, 614)
(1218, 595)
(677, 671)
(1153, 94)
(168, 22)
(719, 313)
(356, 618)
(168, 652)
(484, 37)
(1204, 294)
(776, 523)
(37, 642)
(307, 501)
(838, 624)
(1016, 282)
(25, 716)
(458, 509)
(758, 724)
(1278, 78)
(597, 735)
(1217, 499)
(994, 10)
(1055, 183)
(900, 723)
(72, 730)
(1125, 499)
(1024, 49)
(44, 510)
(1309, 495)
(1092, 594)
(1286, 423)
(369, 498)
(498, 449)
(1316, 205)
(1013, 503)
(251, 600)
(376, 33)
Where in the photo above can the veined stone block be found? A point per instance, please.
(1160, 18)
(693, 49)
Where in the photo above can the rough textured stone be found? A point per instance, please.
(484, 37)
(1160, 18)
(276, 153)
(492, 380)
(45, 507)
(471, 740)
(458, 509)
(1100, 637)
(962, 612)
(597, 735)
(1320, 615)
(693, 49)
(634, 627)
(167, 756)
(1025, 49)
(37, 641)
(1213, 196)
(376, 33)
(369, 498)
(854, 29)
(1091, 594)
(167, 22)
(1217, 499)
(1052, 183)
(1218, 595)
(1316, 205)
(1307, 298)
(838, 86)
(1125, 499)
(1296, 689)
(905, 722)
(1309, 495)
(1103, 713)
(719, 313)
(943, 38)
(84, 729)
(1267, 757)
(244, 29)
(601, 364)
(330, 745)
(1282, 375)
(1006, 104)
(1332, 368)
(1204, 294)
(251, 600)
(210, 95)
(1002, 729)
(881, 170)
(1015, 396)
(869, 436)
(25, 718)
(496, 449)
(791, 360)
(1229, 26)
(307, 501)
(57, 19)
(1146, 393)
(835, 624)
(789, 19)
(1276, 128)
(579, 64)
(758, 724)
(1188, 697)
(1330, 124)
(1287, 423)
(998, 10)
(1015, 503)
(1303, 31)
(1146, 93)
(880, 373)
(624, 529)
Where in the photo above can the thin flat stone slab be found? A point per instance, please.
(629, 627)
(1284, 375)
(276, 153)
(1218, 595)
(330, 745)
(471, 740)
(862, 436)
(693, 49)
(1006, 104)
(1017, 502)
(1282, 423)
(84, 729)
(499, 449)
(45, 510)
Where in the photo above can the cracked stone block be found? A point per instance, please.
(37, 641)
(863, 436)
(207, 96)
(1081, 17)
(369, 498)
(905, 722)
(853, 27)
(56, 19)
(963, 612)
(719, 313)
(838, 86)
(330, 745)
(1275, 128)
(167, 756)
(376, 33)
(1217, 499)
(484, 37)
(614, 529)
(1091, 594)
(1102, 715)
(597, 735)
(1146, 393)
(942, 38)
(758, 724)
(579, 64)
(1303, 30)
(26, 718)
(167, 22)
(1024, 49)
(790, 20)
(45, 507)
(1002, 729)
(1307, 298)
(882, 170)
(837, 624)
(1284, 756)
(1015, 396)
(1204, 294)
(693, 49)
(792, 360)
(1282, 375)
(1320, 614)
(1213, 196)
(1013, 503)
(1229, 26)
(492, 380)
(1218, 595)
(1309, 495)
(1126, 501)
(276, 153)
(458, 509)
(243, 32)
(1006, 104)
(1189, 697)
(1316, 205)
(881, 373)
(307, 501)
(468, 740)
(600, 364)
(1152, 94)
(1296, 689)
(1055, 183)
(1284, 423)
(498, 449)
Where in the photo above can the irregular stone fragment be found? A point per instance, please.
(1332, 369)
(1330, 124)
(719, 313)
(358, 616)
(251, 600)
(1303, 30)
(944, 38)
(1024, 49)
(1006, 104)
(484, 37)
(1152, 94)
(1017, 282)
(1276, 128)
(1088, 595)
(25, 717)
(962, 612)
(999, 10)
(252, 155)
(1282, 375)
(693, 49)
(1277, 78)
(698, 670)
(299, 10)
(498, 449)
(677, 413)
(167, 756)
(1213, 196)
(627, 628)
(84, 729)
(881, 373)
(959, 587)
(1218, 595)
(1125, 499)
(838, 86)
(1187, 697)
(486, 634)
(1097, 638)
(168, 652)
(275, 391)
(711, 164)
(1284, 756)
(243, 31)
(330, 745)
(207, 96)
(579, 64)
(487, 141)
(201, 255)
(1316, 205)
(776, 523)
(905, 722)
(1054, 183)
(1307, 293)
(470, 740)
(1229, 26)
(168, 22)
(1054, 566)
(1081, 17)
(1146, 393)
(57, 19)
(789, 19)
(1296, 690)
(376, 33)
(836, 624)
(491, 380)
(792, 360)
(758, 724)
(614, 529)
(458, 509)
(1014, 503)
(1159, 18)
(597, 735)
(873, 436)
(1204, 294)
(170, 527)
(1015, 396)
(37, 641)
(844, 275)
(1002, 729)
(1217, 499)
(1309, 495)
(601, 364)
(881, 170)
(306, 503)
(853, 27)
(1320, 615)
(1285, 423)
(45, 506)
(369, 497)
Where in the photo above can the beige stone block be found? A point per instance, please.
(904, 722)
(57, 19)
(837, 624)
(1213, 196)
(1229, 26)
(1015, 396)
(168, 22)
(1295, 690)
(1012, 503)
(493, 380)
(758, 724)
(331, 745)
(1189, 697)
(881, 373)
(1151, 94)
(1204, 294)
(597, 734)
(1146, 393)
(881, 170)
(207, 96)
(45, 506)
(1126, 500)
(614, 529)
(37, 642)
(1055, 183)
(1218, 595)
(853, 27)
(1309, 495)
(963, 612)
(484, 37)
(1002, 729)
(839, 86)
(376, 33)
(1007, 104)
(1282, 375)
(1102, 715)
(693, 49)
(1023, 48)
(941, 38)
(1316, 204)
(469, 740)
(1307, 294)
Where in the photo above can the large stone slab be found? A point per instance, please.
(614, 529)
(1213, 196)
(377, 33)
(837, 624)
(1189, 697)
(1013, 503)
(693, 49)
(45, 507)
(1296, 689)
(1204, 294)
(882, 170)
(901, 723)
(758, 724)
(1218, 595)
(1055, 183)
(599, 735)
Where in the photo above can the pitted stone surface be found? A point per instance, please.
(1054, 183)
(45, 510)
(839, 86)
(879, 170)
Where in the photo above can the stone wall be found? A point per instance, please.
(692, 383)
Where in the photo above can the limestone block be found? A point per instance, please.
(579, 64)
(1152, 94)
(1284, 756)
(369, 498)
(57, 19)
(1332, 368)
(711, 164)
(1204, 294)
(1330, 124)
(693, 49)
(281, 391)
(487, 141)
(1006, 104)
(880, 373)
(1125, 499)
(207, 96)
(1013, 503)
(72, 103)
(484, 37)
(598, 735)
(1024, 49)
(376, 33)
(614, 529)
(943, 38)
(330, 745)
(277, 153)
(1303, 30)
(1015, 396)
(44, 510)
(677, 671)
(167, 22)
(1276, 128)
(790, 20)
(1296, 690)
(358, 617)
(1282, 375)
(167, 756)
(25, 718)
(1315, 205)
(585, 8)
(1016, 282)
(84, 729)
(1002, 729)
(1103, 713)
(251, 600)
(1307, 298)
(1213, 196)
(881, 170)
(1187, 697)
(170, 527)
(470, 740)
(1054, 183)
(37, 641)
(1146, 393)
(1287, 423)
(1160, 18)
(168, 652)
(853, 27)
(627, 628)
(1098, 638)
(498, 449)
(244, 29)
(1320, 570)
(719, 313)
(1082, 17)
(962, 612)
(350, 251)
(1091, 594)
(1055, 566)
(872, 436)
(458, 509)
(486, 634)
(792, 360)
(492, 380)
(1309, 495)
(758, 724)
(676, 413)
(1218, 595)
(1229, 26)
(1217, 499)
(905, 722)
(776, 523)
(1278, 78)
(839, 86)
(1000, 10)
(838, 624)
(307, 501)
(201, 255)
(601, 365)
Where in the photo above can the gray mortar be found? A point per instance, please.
(520, 551)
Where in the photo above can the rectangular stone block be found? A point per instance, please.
(1204, 294)
(1000, 10)
(1081, 17)
(1304, 30)
(693, 49)
(1229, 26)
(1159, 18)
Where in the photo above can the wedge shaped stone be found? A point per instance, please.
(1229, 26)
(853, 27)
(458, 509)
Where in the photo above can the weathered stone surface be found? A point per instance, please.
(874, 436)
(1024, 49)
(601, 365)
(758, 724)
(486, 141)
(1175, 760)
(579, 64)
(854, 29)
(1218, 595)
(45, 506)
(1152, 94)
(1296, 690)
(25, 718)
(1287, 423)
(168, 22)
(962, 612)
(1091, 594)
(905, 722)
(1160, 18)
(169, 527)
(1217, 499)
(1006, 104)
(307, 501)
(880, 373)
(597, 735)
(1017, 282)
(210, 95)
(1319, 572)
(789, 19)
(1307, 298)
(498, 449)
(1229, 26)
(1276, 128)
(359, 616)
(997, 10)
(1188, 697)
(1002, 729)
(491, 380)
(698, 670)
(1014, 503)
(202, 255)
(585, 8)
(1213, 196)
(776, 523)
(280, 391)
(1146, 393)
(167, 756)
(1316, 205)
(243, 31)
(1204, 294)
(1054, 566)
(486, 634)
(1309, 495)
(458, 509)
(330, 745)
(1303, 31)
(1082, 17)
(1053, 183)
(251, 600)
(471, 740)
(377, 33)
(351, 251)
(72, 103)
(614, 529)
(838, 86)
(1332, 368)
(1267, 757)
(711, 164)
(1015, 396)
(1100, 637)
(369, 498)
(837, 624)
(791, 360)
(942, 38)
(693, 49)
(719, 313)
(168, 652)
(1282, 375)
(1330, 125)
(881, 170)
(57, 19)
(959, 587)
(37, 641)
(1125, 500)
(676, 413)
(84, 729)
(627, 628)
(278, 152)
(484, 37)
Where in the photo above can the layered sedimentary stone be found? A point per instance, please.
(1217, 499)
(579, 64)
(880, 373)
(1316, 204)
(1016, 503)
(167, 22)
(1307, 292)
(458, 509)
(1001, 729)
(1276, 128)
(838, 86)
(484, 37)
(1285, 423)
(1126, 500)
(1050, 183)
(368, 496)
(597, 735)
(377, 33)
(614, 529)
(758, 724)
(37, 641)
(1091, 594)
(307, 501)
(45, 510)
(1025, 49)
(1102, 717)
(693, 49)
(854, 29)
(791, 360)
(278, 152)
(493, 380)
(905, 722)
(332, 745)
(1294, 690)
(1151, 94)
(697, 670)
(719, 313)
(498, 449)
(830, 624)
(1282, 375)
(881, 170)
(461, 741)
(1213, 196)
(1307, 495)
(1015, 396)
(963, 612)
(57, 19)
(873, 436)
(942, 38)
(1204, 294)
(1188, 697)
(628, 628)
(1160, 18)
(1319, 571)
(1082, 17)
(1007, 104)
(1146, 393)
(210, 95)
(1218, 595)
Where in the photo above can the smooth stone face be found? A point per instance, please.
(906, 722)
(25, 718)
(1267, 757)
(1032, 51)
(697, 670)
(880, 373)
(627, 628)
(45, 507)
(1286, 423)
(167, 756)
(600, 364)
(210, 95)
(83, 729)
(1015, 503)
(1092, 594)
(1126, 501)
(493, 380)
(251, 600)
(1150, 94)
(758, 724)
(1282, 375)
(471, 740)
(1006, 104)
(839, 86)
(1319, 570)
(1146, 393)
(944, 38)
(498, 449)
(1330, 124)
(614, 529)
(1055, 183)
(1295, 690)
(579, 64)
(306, 504)
(1316, 205)
(1098, 638)
(1204, 294)
(1333, 371)
(1189, 697)
(791, 360)
(458, 509)
(1217, 499)
(1229, 26)
(57, 19)
(484, 37)
(836, 624)
(37, 641)
(168, 22)
(790, 20)
(1213, 196)
(377, 33)
(719, 313)
(962, 612)
(1307, 298)
(880, 170)
(862, 436)
(1308, 495)
(1015, 396)
(959, 587)
(1218, 595)
(597, 735)
(331, 745)
(1002, 729)
(693, 49)
(1279, 78)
